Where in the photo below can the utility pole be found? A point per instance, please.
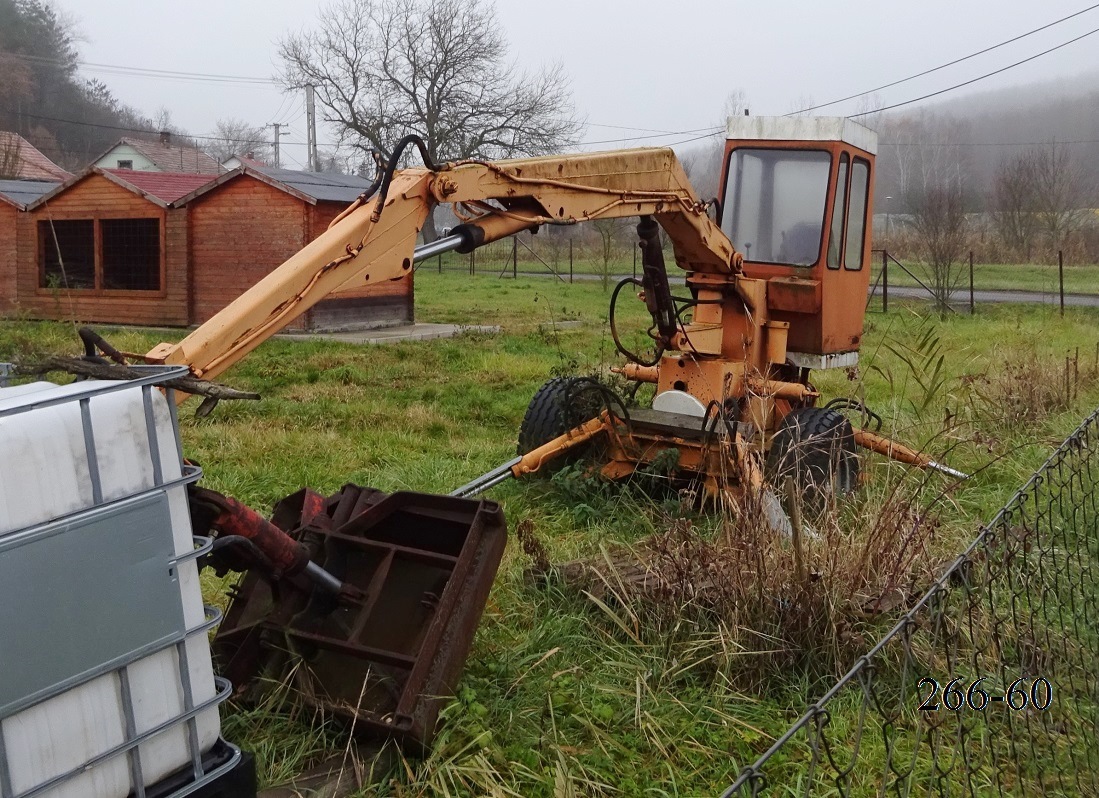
(278, 134)
(311, 130)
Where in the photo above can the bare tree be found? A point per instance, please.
(1014, 204)
(437, 68)
(610, 232)
(936, 212)
(1058, 193)
(11, 159)
(236, 137)
(703, 162)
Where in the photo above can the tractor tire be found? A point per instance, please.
(552, 412)
(816, 447)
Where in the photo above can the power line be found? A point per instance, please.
(974, 80)
(168, 74)
(135, 129)
(708, 131)
(944, 66)
(987, 143)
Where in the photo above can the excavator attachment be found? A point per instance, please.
(384, 653)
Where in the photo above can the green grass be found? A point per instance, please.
(557, 697)
(1042, 278)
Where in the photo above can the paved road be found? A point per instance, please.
(961, 298)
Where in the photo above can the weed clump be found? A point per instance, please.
(727, 597)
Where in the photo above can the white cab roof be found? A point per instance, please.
(803, 128)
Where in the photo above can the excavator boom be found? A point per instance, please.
(374, 240)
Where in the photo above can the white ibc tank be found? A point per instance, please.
(107, 684)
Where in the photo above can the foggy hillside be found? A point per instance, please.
(982, 129)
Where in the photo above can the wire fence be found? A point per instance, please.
(989, 684)
(965, 285)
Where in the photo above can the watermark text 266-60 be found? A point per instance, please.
(957, 695)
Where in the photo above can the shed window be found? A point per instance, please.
(68, 253)
(105, 254)
(131, 254)
(125, 164)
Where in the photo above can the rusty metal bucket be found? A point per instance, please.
(425, 565)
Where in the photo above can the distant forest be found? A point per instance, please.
(981, 132)
(42, 96)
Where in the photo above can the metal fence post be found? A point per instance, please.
(635, 262)
(440, 259)
(514, 257)
(885, 281)
(472, 262)
(1061, 277)
(570, 261)
(971, 282)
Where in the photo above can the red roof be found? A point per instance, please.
(165, 186)
(33, 165)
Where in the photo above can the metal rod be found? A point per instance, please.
(971, 304)
(947, 470)
(884, 281)
(1061, 277)
(490, 479)
(322, 578)
(436, 247)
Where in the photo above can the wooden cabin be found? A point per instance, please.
(171, 249)
(108, 246)
(14, 197)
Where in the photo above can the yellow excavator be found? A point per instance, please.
(379, 595)
(776, 276)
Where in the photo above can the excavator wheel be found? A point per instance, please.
(555, 409)
(816, 447)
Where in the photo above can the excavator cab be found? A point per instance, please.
(796, 200)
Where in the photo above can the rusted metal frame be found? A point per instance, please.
(420, 555)
(397, 660)
(373, 592)
(444, 609)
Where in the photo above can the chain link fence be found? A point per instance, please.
(989, 685)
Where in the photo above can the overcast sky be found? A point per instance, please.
(663, 66)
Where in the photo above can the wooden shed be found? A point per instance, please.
(107, 246)
(172, 249)
(250, 220)
(14, 196)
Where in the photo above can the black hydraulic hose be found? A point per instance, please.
(391, 167)
(93, 341)
(372, 189)
(869, 416)
(578, 385)
(631, 356)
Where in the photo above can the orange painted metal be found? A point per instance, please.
(825, 317)
(891, 449)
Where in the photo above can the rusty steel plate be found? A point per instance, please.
(425, 565)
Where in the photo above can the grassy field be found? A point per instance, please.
(563, 695)
(1079, 279)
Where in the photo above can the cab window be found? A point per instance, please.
(835, 234)
(856, 214)
(775, 202)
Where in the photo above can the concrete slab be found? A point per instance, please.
(388, 335)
